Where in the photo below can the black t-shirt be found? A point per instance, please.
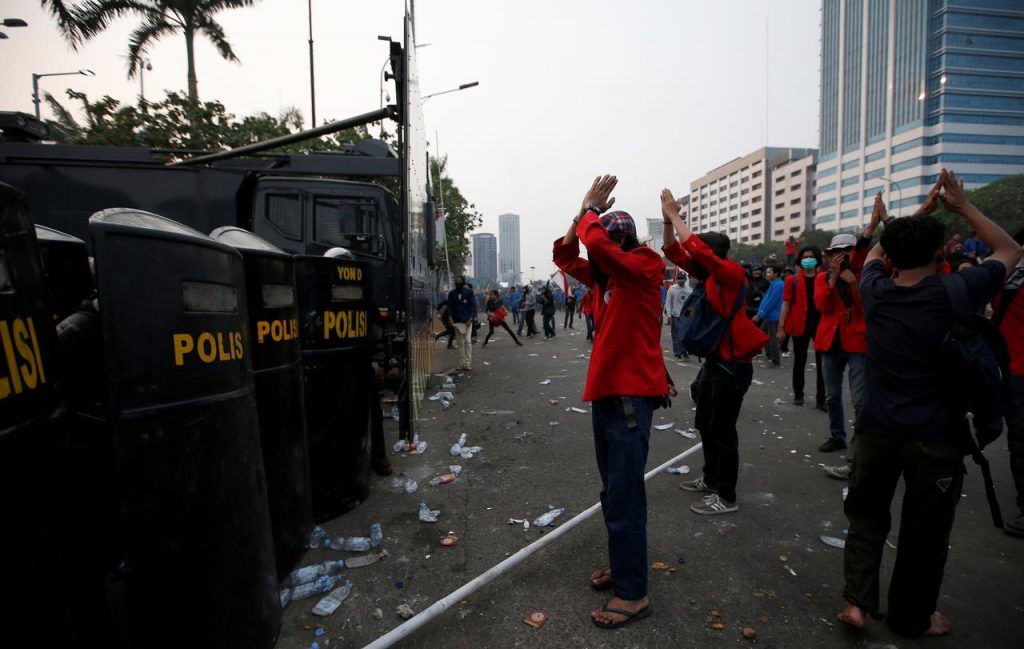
(903, 393)
(813, 315)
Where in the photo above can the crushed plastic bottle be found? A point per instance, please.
(468, 452)
(548, 517)
(376, 535)
(421, 448)
(316, 537)
(329, 604)
(454, 469)
(399, 446)
(348, 543)
(678, 469)
(285, 595)
(441, 479)
(401, 483)
(321, 585)
(428, 515)
(462, 439)
(306, 574)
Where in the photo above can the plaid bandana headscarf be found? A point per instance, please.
(618, 222)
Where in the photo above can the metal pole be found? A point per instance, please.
(35, 92)
(326, 129)
(312, 79)
(442, 605)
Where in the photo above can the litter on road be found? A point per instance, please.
(664, 426)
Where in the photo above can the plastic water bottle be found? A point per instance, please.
(394, 413)
(469, 451)
(428, 515)
(403, 483)
(329, 604)
(462, 439)
(348, 543)
(316, 537)
(376, 535)
(321, 585)
(285, 594)
(455, 469)
(307, 574)
(549, 517)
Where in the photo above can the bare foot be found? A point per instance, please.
(631, 605)
(940, 625)
(601, 578)
(852, 615)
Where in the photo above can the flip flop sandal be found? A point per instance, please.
(604, 585)
(629, 615)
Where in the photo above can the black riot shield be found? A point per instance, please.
(277, 369)
(334, 302)
(199, 558)
(34, 543)
(66, 266)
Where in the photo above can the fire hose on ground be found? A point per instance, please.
(440, 606)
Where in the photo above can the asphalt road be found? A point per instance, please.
(764, 567)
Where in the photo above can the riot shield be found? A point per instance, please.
(199, 559)
(334, 302)
(66, 266)
(277, 370)
(32, 448)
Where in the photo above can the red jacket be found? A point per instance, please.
(744, 339)
(587, 303)
(795, 292)
(1012, 326)
(836, 316)
(626, 359)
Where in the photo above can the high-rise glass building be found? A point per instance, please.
(485, 258)
(909, 87)
(508, 248)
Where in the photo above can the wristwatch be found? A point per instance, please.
(591, 208)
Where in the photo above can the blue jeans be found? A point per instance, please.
(590, 327)
(621, 458)
(678, 349)
(836, 362)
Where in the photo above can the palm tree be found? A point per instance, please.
(159, 18)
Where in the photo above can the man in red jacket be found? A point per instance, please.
(1009, 317)
(725, 375)
(841, 337)
(626, 381)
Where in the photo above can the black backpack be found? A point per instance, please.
(975, 368)
(701, 327)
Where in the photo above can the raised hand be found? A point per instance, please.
(669, 205)
(934, 196)
(599, 194)
(953, 196)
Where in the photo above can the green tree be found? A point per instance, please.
(177, 123)
(160, 18)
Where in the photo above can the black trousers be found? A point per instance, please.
(570, 315)
(800, 345)
(720, 390)
(933, 475)
(490, 331)
(526, 319)
(549, 324)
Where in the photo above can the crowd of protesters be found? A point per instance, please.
(875, 312)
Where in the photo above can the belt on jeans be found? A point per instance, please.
(627, 408)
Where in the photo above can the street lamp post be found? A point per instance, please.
(37, 76)
(144, 66)
(464, 86)
(12, 22)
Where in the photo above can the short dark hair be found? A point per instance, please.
(718, 242)
(911, 242)
(630, 242)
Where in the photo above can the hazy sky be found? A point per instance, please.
(656, 92)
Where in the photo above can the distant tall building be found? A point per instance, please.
(743, 200)
(508, 248)
(912, 86)
(485, 258)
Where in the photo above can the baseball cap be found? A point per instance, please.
(843, 240)
(618, 222)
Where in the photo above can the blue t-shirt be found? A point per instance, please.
(903, 391)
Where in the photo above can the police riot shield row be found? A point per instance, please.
(214, 407)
